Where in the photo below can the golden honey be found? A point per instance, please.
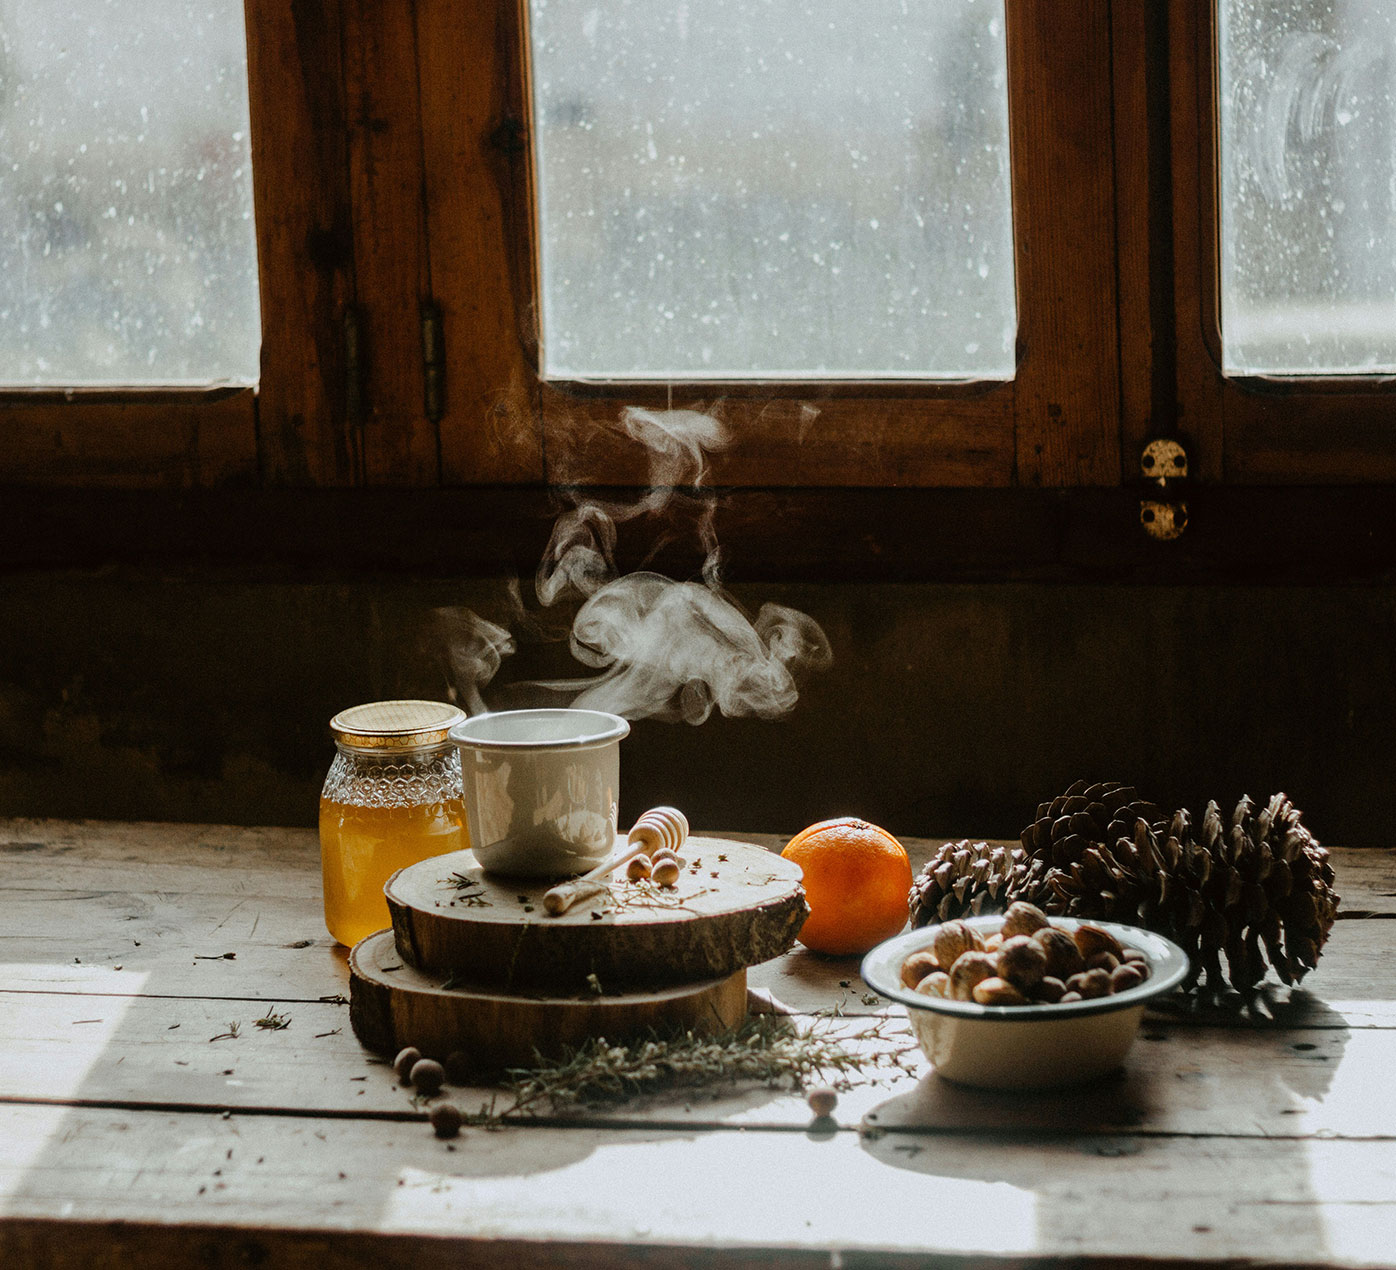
(362, 847)
(392, 797)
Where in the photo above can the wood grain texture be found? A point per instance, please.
(733, 906)
(151, 1052)
(392, 277)
(478, 211)
(245, 1187)
(143, 440)
(831, 437)
(392, 1006)
(1067, 395)
(304, 241)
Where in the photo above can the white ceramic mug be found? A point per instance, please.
(541, 788)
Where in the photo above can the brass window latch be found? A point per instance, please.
(1163, 509)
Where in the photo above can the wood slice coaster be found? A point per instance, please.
(391, 1005)
(734, 905)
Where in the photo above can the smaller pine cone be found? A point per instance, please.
(1085, 816)
(965, 878)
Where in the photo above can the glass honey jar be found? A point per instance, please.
(392, 797)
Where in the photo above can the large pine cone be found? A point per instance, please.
(1085, 816)
(1230, 887)
(964, 878)
(1257, 888)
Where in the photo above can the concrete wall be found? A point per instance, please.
(948, 708)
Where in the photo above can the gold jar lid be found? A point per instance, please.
(395, 725)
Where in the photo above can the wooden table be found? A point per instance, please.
(135, 1130)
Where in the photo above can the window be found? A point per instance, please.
(130, 253)
(730, 192)
(1307, 106)
(416, 332)
(1285, 306)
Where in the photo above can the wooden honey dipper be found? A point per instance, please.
(658, 828)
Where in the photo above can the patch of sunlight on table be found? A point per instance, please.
(772, 1189)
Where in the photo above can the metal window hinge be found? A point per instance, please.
(1163, 511)
(433, 361)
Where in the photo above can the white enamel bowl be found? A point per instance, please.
(1026, 1046)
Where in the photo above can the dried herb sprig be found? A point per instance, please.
(274, 1022)
(468, 889)
(766, 1048)
(642, 893)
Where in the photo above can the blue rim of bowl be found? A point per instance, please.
(606, 728)
(1168, 966)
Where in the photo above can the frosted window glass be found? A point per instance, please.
(763, 189)
(1308, 186)
(127, 247)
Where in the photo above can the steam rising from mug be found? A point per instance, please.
(663, 648)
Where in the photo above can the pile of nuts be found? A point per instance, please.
(1028, 961)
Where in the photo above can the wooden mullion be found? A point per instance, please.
(304, 245)
(1067, 392)
(385, 180)
(478, 214)
(1191, 96)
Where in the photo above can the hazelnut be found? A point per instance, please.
(1134, 954)
(1021, 961)
(970, 968)
(1125, 976)
(1023, 918)
(638, 868)
(665, 872)
(1093, 939)
(935, 984)
(445, 1119)
(917, 967)
(992, 943)
(1102, 961)
(664, 853)
(402, 1064)
(1063, 959)
(1069, 996)
(1090, 983)
(428, 1076)
(1048, 990)
(953, 939)
(996, 991)
(822, 1100)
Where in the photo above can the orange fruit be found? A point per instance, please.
(857, 878)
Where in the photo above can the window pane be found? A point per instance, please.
(733, 189)
(1308, 186)
(127, 251)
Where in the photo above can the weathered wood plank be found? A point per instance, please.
(187, 892)
(149, 1051)
(539, 1195)
(284, 861)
